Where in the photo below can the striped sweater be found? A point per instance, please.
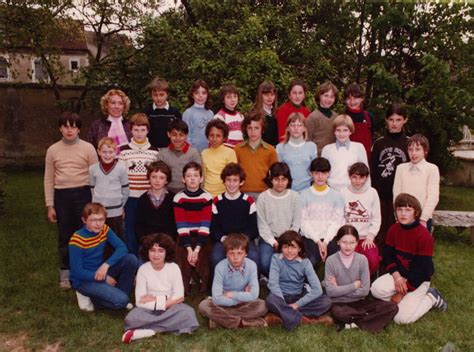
(136, 158)
(193, 213)
(233, 119)
(86, 253)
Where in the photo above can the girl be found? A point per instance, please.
(320, 122)
(289, 272)
(347, 282)
(297, 152)
(265, 103)
(159, 294)
(198, 114)
(278, 210)
(229, 99)
(295, 103)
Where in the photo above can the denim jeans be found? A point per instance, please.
(106, 296)
(130, 209)
(265, 252)
(312, 250)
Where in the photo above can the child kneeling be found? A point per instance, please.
(289, 271)
(159, 293)
(234, 302)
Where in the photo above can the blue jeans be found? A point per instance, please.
(130, 209)
(312, 250)
(218, 253)
(265, 252)
(105, 296)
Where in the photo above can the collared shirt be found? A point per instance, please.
(240, 269)
(166, 107)
(157, 200)
(261, 143)
(184, 150)
(343, 144)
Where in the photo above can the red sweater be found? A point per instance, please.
(282, 114)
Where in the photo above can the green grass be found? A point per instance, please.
(35, 313)
(456, 198)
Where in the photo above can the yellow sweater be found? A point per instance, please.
(214, 160)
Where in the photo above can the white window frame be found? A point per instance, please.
(78, 60)
(9, 76)
(33, 71)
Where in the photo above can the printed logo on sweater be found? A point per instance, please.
(389, 159)
(356, 212)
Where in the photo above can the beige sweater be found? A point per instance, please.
(67, 166)
(320, 129)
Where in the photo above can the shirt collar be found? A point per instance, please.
(167, 106)
(184, 150)
(262, 143)
(418, 166)
(241, 269)
(346, 144)
(111, 119)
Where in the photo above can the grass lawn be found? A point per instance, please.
(36, 315)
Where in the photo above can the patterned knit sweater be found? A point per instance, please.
(233, 120)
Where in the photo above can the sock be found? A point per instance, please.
(142, 333)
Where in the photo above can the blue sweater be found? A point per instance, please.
(287, 277)
(197, 117)
(229, 280)
(86, 253)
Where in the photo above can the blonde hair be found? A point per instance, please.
(295, 116)
(109, 142)
(104, 101)
(139, 119)
(344, 120)
(93, 208)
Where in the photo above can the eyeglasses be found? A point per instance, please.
(296, 124)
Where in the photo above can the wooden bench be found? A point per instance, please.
(455, 219)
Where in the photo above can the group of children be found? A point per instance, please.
(210, 201)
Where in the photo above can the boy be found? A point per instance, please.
(109, 184)
(160, 113)
(343, 153)
(229, 98)
(322, 215)
(233, 212)
(254, 155)
(388, 152)
(106, 283)
(136, 155)
(66, 185)
(193, 212)
(234, 302)
(216, 157)
(419, 178)
(155, 212)
(362, 119)
(408, 260)
(319, 124)
(362, 210)
(178, 153)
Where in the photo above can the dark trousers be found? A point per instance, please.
(388, 219)
(312, 250)
(291, 318)
(68, 204)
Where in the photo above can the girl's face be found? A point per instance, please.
(342, 133)
(215, 137)
(320, 178)
(405, 215)
(158, 180)
(357, 181)
(297, 95)
(231, 100)
(268, 99)
(157, 256)
(139, 133)
(395, 123)
(115, 106)
(327, 99)
(291, 251)
(354, 103)
(348, 244)
(279, 183)
(296, 129)
(200, 95)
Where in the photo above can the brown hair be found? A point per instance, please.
(288, 237)
(109, 142)
(159, 166)
(326, 87)
(71, 118)
(396, 108)
(227, 88)
(263, 88)
(295, 116)
(359, 169)
(139, 119)
(104, 101)
(93, 208)
(196, 84)
(278, 169)
(236, 241)
(346, 230)
(298, 82)
(158, 84)
(409, 201)
(232, 169)
(192, 165)
(253, 115)
(161, 239)
(354, 90)
(220, 125)
(421, 140)
(343, 120)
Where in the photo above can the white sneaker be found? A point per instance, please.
(84, 302)
(129, 306)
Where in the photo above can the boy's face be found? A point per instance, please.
(354, 103)
(279, 183)
(395, 123)
(69, 132)
(94, 222)
(290, 251)
(254, 131)
(200, 96)
(231, 100)
(358, 181)
(215, 137)
(158, 180)
(236, 257)
(405, 215)
(342, 133)
(268, 99)
(157, 255)
(232, 184)
(320, 178)
(115, 106)
(177, 138)
(297, 95)
(159, 97)
(327, 99)
(139, 133)
(192, 179)
(416, 153)
(107, 154)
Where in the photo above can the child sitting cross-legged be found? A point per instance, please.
(288, 298)
(347, 282)
(234, 302)
(159, 293)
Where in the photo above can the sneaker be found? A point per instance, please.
(84, 302)
(65, 284)
(263, 280)
(341, 326)
(129, 306)
(440, 302)
(212, 324)
(127, 336)
(272, 319)
(254, 323)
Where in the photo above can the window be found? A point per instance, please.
(39, 71)
(74, 65)
(4, 71)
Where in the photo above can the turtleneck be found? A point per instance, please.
(201, 106)
(278, 194)
(363, 189)
(296, 105)
(74, 141)
(396, 135)
(325, 111)
(296, 142)
(228, 111)
(411, 225)
(140, 145)
(320, 188)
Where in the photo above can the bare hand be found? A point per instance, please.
(146, 299)
(368, 243)
(323, 250)
(228, 294)
(396, 298)
(275, 247)
(172, 301)
(294, 306)
(101, 273)
(110, 280)
(357, 284)
(192, 258)
(401, 285)
(423, 222)
(52, 215)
